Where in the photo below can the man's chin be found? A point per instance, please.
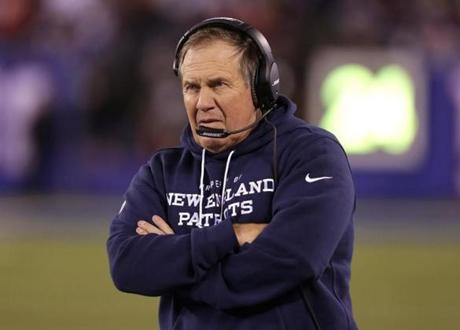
(213, 145)
(216, 145)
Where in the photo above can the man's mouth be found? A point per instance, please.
(209, 122)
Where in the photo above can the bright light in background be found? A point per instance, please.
(370, 111)
(374, 102)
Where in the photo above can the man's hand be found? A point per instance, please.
(159, 227)
(247, 232)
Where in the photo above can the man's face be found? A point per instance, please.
(215, 93)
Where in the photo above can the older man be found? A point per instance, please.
(247, 225)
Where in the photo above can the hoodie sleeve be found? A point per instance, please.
(309, 221)
(158, 264)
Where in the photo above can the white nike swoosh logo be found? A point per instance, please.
(311, 180)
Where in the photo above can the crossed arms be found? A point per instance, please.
(215, 265)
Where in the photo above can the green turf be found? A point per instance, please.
(52, 284)
(65, 285)
(407, 287)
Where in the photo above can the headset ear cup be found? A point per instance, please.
(274, 81)
(266, 85)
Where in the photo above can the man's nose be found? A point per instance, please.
(205, 100)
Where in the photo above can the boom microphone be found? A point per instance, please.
(221, 133)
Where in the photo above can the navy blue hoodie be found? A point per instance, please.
(295, 274)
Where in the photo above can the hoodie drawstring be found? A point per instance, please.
(203, 155)
(224, 184)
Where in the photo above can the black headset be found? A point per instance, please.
(265, 86)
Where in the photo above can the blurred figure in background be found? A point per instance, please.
(27, 90)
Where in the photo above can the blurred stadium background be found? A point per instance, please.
(87, 94)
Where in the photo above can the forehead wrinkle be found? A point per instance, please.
(196, 75)
(199, 72)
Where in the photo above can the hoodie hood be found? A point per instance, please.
(282, 117)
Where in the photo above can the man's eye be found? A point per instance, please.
(190, 88)
(218, 84)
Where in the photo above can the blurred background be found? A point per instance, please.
(87, 94)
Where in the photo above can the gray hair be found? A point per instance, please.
(243, 44)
